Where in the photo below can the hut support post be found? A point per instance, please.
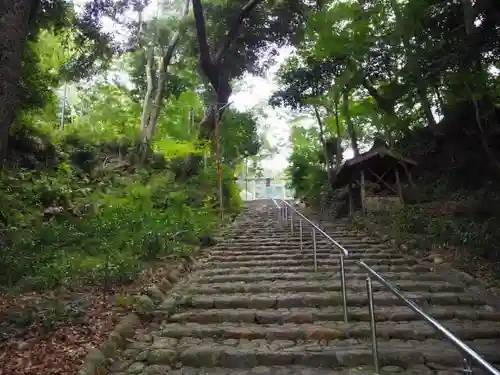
(362, 191)
(398, 186)
(349, 190)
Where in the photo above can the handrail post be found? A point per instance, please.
(291, 221)
(343, 286)
(467, 368)
(373, 328)
(314, 250)
(301, 232)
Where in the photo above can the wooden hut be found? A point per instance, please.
(378, 165)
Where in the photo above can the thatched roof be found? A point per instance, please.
(378, 159)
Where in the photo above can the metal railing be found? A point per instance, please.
(286, 213)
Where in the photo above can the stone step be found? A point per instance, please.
(289, 300)
(280, 370)
(229, 245)
(381, 253)
(252, 277)
(310, 315)
(314, 286)
(304, 263)
(295, 238)
(348, 269)
(273, 256)
(331, 330)
(233, 353)
(254, 306)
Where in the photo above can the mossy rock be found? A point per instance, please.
(144, 305)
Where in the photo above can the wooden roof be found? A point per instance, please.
(378, 159)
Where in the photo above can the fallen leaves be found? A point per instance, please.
(61, 350)
(51, 333)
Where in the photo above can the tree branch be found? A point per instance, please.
(234, 29)
(201, 32)
(175, 40)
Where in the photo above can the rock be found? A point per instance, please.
(403, 247)
(168, 305)
(155, 293)
(164, 342)
(144, 305)
(156, 370)
(109, 348)
(384, 238)
(165, 285)
(126, 328)
(162, 357)
(136, 368)
(142, 356)
(437, 260)
(173, 276)
(23, 345)
(202, 356)
(392, 369)
(94, 364)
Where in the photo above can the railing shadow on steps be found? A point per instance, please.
(287, 214)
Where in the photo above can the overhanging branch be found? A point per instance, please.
(234, 29)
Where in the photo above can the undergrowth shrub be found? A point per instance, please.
(71, 223)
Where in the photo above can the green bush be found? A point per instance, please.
(66, 224)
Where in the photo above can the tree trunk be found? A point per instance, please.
(146, 105)
(337, 123)
(211, 68)
(323, 144)
(350, 125)
(14, 20)
(150, 118)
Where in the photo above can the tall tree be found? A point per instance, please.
(240, 32)
(153, 97)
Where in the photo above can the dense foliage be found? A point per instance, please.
(86, 202)
(421, 78)
(418, 75)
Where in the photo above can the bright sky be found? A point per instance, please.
(252, 94)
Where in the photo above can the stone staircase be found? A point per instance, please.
(254, 305)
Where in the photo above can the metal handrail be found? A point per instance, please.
(341, 248)
(459, 344)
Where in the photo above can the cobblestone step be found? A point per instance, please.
(325, 262)
(367, 253)
(348, 269)
(294, 255)
(332, 330)
(232, 353)
(288, 300)
(312, 286)
(296, 245)
(326, 277)
(277, 370)
(310, 315)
